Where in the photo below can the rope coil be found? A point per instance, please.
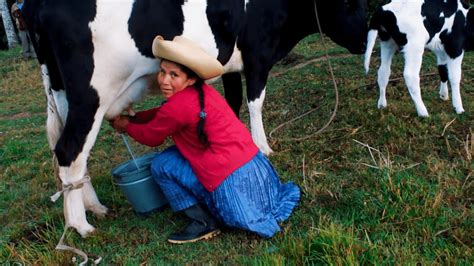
(336, 105)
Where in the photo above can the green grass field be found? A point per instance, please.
(379, 187)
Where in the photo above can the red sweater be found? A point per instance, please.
(230, 143)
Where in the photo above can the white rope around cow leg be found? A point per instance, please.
(61, 245)
(69, 187)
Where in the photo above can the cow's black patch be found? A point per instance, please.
(385, 22)
(226, 20)
(443, 72)
(454, 41)
(82, 109)
(435, 13)
(150, 18)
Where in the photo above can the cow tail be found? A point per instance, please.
(54, 124)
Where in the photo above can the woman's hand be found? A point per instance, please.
(120, 123)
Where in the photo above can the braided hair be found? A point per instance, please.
(202, 136)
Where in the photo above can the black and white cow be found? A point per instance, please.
(442, 26)
(96, 59)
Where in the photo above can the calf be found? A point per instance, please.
(442, 26)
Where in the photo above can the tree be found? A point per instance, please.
(8, 24)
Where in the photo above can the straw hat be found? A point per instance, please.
(187, 53)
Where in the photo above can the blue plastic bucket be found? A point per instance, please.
(143, 193)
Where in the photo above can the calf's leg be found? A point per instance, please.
(387, 50)
(413, 59)
(454, 74)
(443, 74)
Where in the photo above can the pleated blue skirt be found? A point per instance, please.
(251, 198)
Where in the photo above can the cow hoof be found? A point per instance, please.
(382, 104)
(85, 230)
(459, 110)
(99, 210)
(266, 150)
(423, 114)
(444, 97)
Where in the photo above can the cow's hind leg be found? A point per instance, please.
(454, 74)
(74, 55)
(387, 50)
(413, 59)
(73, 173)
(91, 201)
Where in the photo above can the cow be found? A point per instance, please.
(96, 59)
(446, 27)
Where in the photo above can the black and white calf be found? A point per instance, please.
(96, 60)
(442, 26)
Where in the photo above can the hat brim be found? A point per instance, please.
(189, 54)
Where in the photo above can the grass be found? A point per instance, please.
(379, 186)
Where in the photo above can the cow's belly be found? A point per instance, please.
(121, 74)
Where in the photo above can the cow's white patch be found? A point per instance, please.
(256, 123)
(235, 63)
(121, 74)
(196, 26)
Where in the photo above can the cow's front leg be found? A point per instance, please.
(454, 74)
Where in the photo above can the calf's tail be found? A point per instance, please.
(371, 38)
(374, 26)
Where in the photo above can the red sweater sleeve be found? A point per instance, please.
(166, 121)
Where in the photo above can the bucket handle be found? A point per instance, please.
(129, 150)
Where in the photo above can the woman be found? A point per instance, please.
(215, 174)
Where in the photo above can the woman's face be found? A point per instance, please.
(171, 79)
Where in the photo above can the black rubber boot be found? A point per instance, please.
(202, 226)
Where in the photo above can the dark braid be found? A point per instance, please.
(202, 114)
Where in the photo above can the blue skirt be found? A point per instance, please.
(251, 198)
